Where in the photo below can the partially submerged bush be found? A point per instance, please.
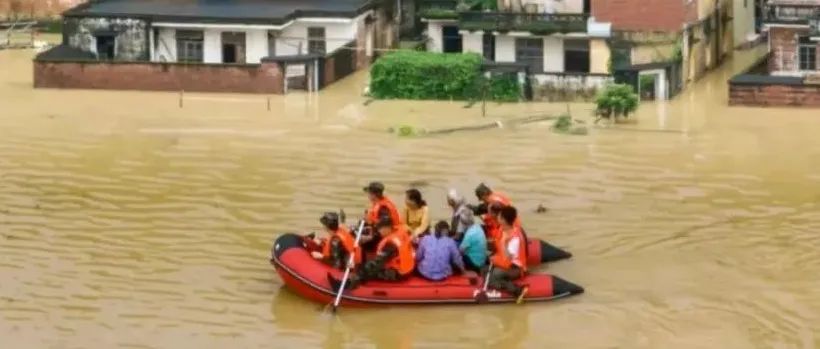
(425, 75)
(616, 100)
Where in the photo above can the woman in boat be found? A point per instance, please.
(416, 214)
(509, 259)
(337, 247)
(437, 254)
(393, 261)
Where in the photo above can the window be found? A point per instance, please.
(451, 39)
(488, 43)
(106, 45)
(807, 53)
(189, 46)
(576, 56)
(530, 51)
(316, 40)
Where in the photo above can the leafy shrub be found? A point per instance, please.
(427, 75)
(504, 88)
(616, 100)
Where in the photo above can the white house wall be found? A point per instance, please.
(434, 32)
(256, 43)
(294, 37)
(212, 46)
(557, 6)
(553, 54)
(166, 45)
(472, 42)
(504, 48)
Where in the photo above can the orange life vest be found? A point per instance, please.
(501, 258)
(373, 213)
(405, 260)
(348, 242)
(489, 220)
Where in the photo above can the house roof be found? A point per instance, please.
(221, 11)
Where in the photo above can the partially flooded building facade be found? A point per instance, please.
(253, 46)
(790, 74)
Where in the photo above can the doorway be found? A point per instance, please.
(451, 39)
(233, 47)
(653, 85)
(106, 46)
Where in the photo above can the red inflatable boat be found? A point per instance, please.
(308, 277)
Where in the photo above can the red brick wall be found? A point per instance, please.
(645, 15)
(783, 43)
(264, 78)
(775, 95)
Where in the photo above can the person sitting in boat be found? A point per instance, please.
(490, 199)
(458, 222)
(416, 214)
(381, 207)
(394, 258)
(339, 244)
(473, 245)
(509, 259)
(437, 254)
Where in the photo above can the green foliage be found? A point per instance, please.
(504, 88)
(426, 75)
(677, 52)
(646, 83)
(406, 131)
(563, 124)
(52, 26)
(616, 100)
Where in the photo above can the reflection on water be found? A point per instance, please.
(128, 222)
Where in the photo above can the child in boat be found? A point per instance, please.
(393, 261)
(509, 259)
(339, 243)
(437, 254)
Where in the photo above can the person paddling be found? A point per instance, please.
(339, 244)
(394, 258)
(509, 259)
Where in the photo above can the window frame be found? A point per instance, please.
(808, 49)
(190, 46)
(317, 40)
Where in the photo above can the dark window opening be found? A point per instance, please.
(530, 51)
(807, 53)
(316, 41)
(576, 56)
(271, 44)
(106, 45)
(587, 7)
(451, 39)
(189, 46)
(233, 47)
(488, 43)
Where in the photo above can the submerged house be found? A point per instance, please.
(263, 46)
(561, 48)
(790, 74)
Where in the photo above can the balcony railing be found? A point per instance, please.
(438, 9)
(538, 23)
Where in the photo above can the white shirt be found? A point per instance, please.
(512, 248)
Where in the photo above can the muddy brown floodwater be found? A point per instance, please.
(127, 222)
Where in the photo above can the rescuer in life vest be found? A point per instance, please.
(394, 260)
(339, 244)
(509, 259)
(381, 208)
